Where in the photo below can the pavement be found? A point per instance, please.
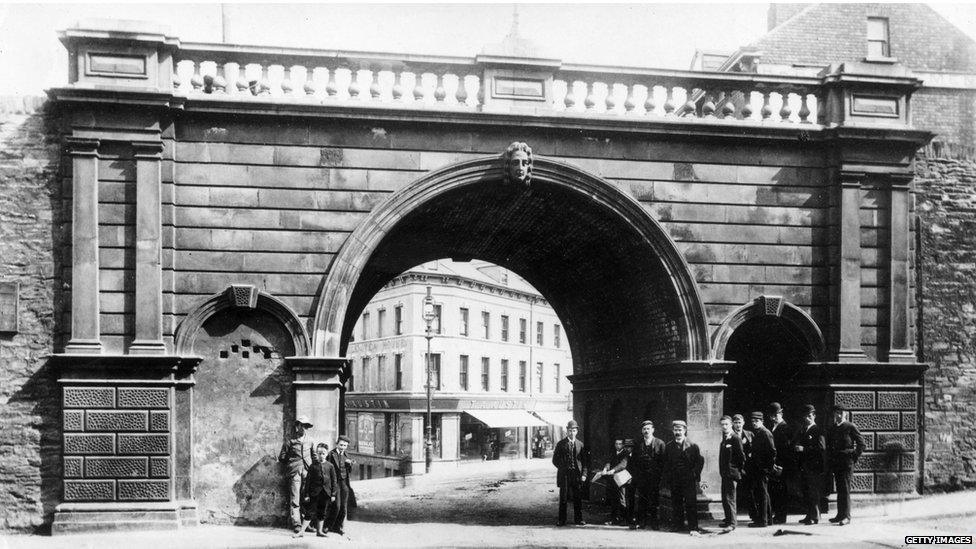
(513, 504)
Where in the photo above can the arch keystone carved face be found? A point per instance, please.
(517, 163)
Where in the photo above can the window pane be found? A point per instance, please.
(877, 49)
(877, 29)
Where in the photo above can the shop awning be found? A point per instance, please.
(506, 418)
(558, 418)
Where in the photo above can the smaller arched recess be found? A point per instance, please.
(241, 296)
(770, 305)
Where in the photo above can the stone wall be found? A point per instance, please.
(30, 435)
(946, 194)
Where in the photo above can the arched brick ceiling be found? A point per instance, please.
(612, 293)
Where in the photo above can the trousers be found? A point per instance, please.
(295, 499)
(337, 511)
(647, 496)
(684, 503)
(567, 494)
(728, 500)
(811, 484)
(842, 478)
(759, 483)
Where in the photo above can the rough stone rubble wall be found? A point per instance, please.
(946, 195)
(30, 438)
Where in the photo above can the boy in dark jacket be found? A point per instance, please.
(731, 460)
(320, 490)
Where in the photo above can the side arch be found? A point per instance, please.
(337, 296)
(245, 297)
(770, 305)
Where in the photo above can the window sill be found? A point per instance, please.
(881, 60)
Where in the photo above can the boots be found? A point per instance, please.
(301, 529)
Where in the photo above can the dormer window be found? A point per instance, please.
(878, 45)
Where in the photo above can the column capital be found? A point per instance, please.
(147, 150)
(81, 146)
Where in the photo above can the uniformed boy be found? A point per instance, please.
(296, 454)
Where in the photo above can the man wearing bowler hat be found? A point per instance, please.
(683, 463)
(296, 454)
(810, 447)
(759, 467)
(844, 445)
(572, 460)
(783, 467)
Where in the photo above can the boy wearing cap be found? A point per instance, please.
(296, 453)
(844, 445)
(320, 488)
(810, 446)
(342, 465)
(738, 422)
(759, 468)
(645, 466)
(572, 460)
(683, 463)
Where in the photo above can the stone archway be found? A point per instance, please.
(630, 306)
(770, 343)
(607, 267)
(242, 405)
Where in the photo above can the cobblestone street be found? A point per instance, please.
(506, 504)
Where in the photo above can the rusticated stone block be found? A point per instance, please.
(159, 467)
(895, 482)
(89, 444)
(143, 490)
(144, 444)
(862, 482)
(897, 400)
(115, 467)
(876, 461)
(908, 462)
(905, 440)
(89, 490)
(876, 421)
(143, 397)
(74, 420)
(159, 420)
(117, 420)
(868, 441)
(89, 397)
(855, 400)
(72, 467)
(909, 421)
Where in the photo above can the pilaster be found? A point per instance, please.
(899, 345)
(318, 388)
(849, 268)
(85, 332)
(148, 294)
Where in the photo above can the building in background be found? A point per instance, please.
(499, 363)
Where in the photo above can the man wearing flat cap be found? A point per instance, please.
(844, 445)
(645, 466)
(809, 446)
(683, 463)
(759, 467)
(783, 468)
(296, 454)
(572, 460)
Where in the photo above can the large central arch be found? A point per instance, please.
(622, 289)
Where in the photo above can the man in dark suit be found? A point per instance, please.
(809, 445)
(572, 460)
(342, 465)
(760, 466)
(320, 490)
(683, 463)
(296, 454)
(646, 464)
(731, 460)
(783, 467)
(844, 446)
(738, 424)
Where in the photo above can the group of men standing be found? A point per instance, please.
(764, 460)
(318, 481)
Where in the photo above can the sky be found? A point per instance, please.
(635, 34)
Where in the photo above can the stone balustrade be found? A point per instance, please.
(376, 79)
